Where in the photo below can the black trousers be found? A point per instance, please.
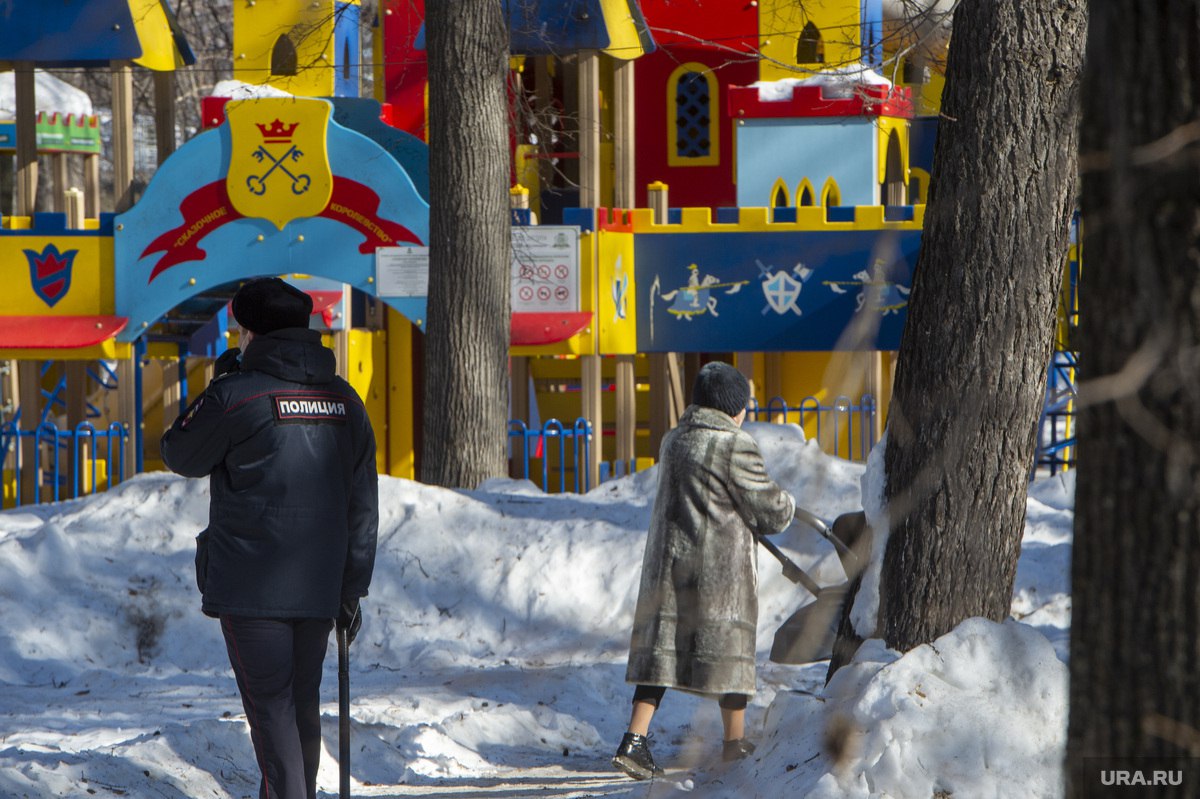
(654, 695)
(277, 663)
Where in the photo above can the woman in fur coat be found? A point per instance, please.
(697, 609)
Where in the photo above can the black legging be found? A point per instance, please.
(654, 694)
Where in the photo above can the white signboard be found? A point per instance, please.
(402, 271)
(545, 268)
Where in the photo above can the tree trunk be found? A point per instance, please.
(467, 332)
(976, 346)
(1135, 688)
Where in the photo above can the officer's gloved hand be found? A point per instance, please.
(350, 619)
(227, 362)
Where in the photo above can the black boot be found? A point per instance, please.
(736, 749)
(634, 758)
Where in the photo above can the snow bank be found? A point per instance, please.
(981, 712)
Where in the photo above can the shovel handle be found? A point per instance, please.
(813, 521)
(790, 569)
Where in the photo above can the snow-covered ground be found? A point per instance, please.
(491, 661)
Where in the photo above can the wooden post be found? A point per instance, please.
(122, 135)
(591, 382)
(58, 173)
(667, 399)
(122, 148)
(626, 412)
(8, 390)
(164, 114)
(341, 338)
(91, 186)
(76, 414)
(623, 197)
(75, 206)
(171, 393)
(29, 389)
(589, 129)
(624, 146)
(128, 414)
(27, 165)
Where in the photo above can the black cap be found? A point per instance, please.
(718, 385)
(265, 304)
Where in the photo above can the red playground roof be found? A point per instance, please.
(58, 332)
(536, 329)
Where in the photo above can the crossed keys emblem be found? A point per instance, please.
(258, 183)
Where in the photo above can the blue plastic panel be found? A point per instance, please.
(773, 292)
(67, 31)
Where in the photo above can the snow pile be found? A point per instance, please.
(841, 81)
(240, 90)
(981, 712)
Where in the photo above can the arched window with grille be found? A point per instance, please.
(693, 130)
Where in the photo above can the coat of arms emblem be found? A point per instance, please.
(50, 273)
(279, 166)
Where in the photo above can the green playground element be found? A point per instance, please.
(57, 133)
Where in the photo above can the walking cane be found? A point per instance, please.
(343, 644)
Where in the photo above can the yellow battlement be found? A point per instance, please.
(758, 220)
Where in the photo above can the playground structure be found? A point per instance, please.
(789, 250)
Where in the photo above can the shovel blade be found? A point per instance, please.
(807, 635)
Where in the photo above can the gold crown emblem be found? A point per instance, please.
(277, 131)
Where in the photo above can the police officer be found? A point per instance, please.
(293, 517)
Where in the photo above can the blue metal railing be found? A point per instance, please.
(843, 424)
(563, 451)
(1056, 427)
(57, 473)
(550, 445)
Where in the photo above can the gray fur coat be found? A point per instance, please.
(697, 609)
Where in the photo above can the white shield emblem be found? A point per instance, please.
(782, 291)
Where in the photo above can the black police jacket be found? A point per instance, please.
(290, 457)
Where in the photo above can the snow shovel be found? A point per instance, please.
(343, 645)
(808, 634)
